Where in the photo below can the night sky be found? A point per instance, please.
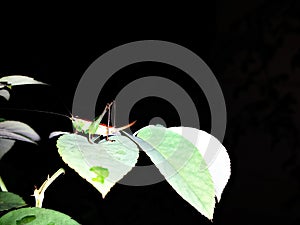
(253, 49)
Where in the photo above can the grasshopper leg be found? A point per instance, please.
(90, 138)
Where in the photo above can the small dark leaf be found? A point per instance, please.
(5, 94)
(5, 146)
(18, 131)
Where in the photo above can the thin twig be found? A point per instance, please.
(39, 193)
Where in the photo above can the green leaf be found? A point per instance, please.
(18, 131)
(118, 157)
(181, 164)
(15, 80)
(10, 200)
(36, 216)
(101, 173)
(213, 152)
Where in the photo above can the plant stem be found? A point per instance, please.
(2, 185)
(39, 193)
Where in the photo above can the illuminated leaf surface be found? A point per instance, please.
(118, 157)
(213, 152)
(14, 80)
(181, 164)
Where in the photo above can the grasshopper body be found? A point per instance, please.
(83, 126)
(95, 127)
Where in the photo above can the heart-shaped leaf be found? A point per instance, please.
(101, 164)
(36, 216)
(213, 152)
(181, 164)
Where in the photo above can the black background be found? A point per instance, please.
(252, 47)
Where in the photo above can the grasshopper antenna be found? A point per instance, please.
(115, 108)
(34, 110)
(108, 120)
(56, 96)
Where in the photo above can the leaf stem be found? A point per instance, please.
(39, 193)
(2, 185)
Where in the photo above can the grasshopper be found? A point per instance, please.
(88, 127)
(96, 127)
